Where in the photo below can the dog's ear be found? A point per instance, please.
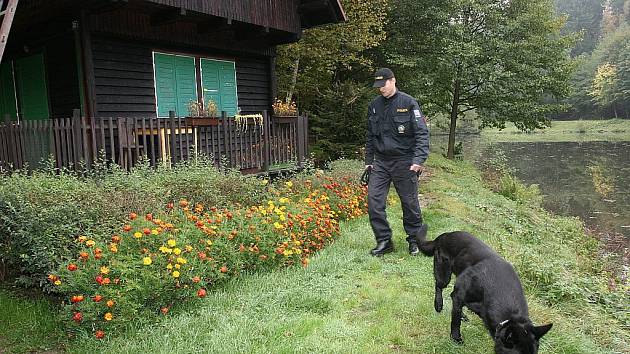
(540, 331)
(421, 236)
(506, 335)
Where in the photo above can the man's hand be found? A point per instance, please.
(416, 168)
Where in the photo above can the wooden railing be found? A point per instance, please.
(79, 142)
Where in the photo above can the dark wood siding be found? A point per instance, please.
(124, 82)
(279, 14)
(123, 79)
(62, 76)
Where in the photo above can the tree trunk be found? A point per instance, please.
(453, 124)
(293, 80)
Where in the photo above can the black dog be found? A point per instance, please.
(487, 285)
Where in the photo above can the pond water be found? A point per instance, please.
(586, 179)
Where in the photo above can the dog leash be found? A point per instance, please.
(365, 177)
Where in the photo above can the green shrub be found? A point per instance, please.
(41, 213)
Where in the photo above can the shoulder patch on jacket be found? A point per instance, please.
(416, 112)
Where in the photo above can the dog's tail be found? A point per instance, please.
(427, 247)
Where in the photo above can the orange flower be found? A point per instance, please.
(72, 267)
(201, 293)
(106, 281)
(99, 334)
(183, 203)
(223, 269)
(127, 228)
(108, 316)
(133, 216)
(84, 256)
(146, 231)
(164, 310)
(97, 298)
(149, 217)
(76, 298)
(196, 279)
(110, 303)
(77, 317)
(115, 238)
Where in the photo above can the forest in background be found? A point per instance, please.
(489, 62)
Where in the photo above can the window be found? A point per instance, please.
(176, 83)
(24, 78)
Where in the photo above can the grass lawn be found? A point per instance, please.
(346, 301)
(562, 131)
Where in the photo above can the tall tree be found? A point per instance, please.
(583, 17)
(498, 57)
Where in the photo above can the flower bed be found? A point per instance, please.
(160, 260)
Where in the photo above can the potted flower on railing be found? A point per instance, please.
(200, 115)
(284, 111)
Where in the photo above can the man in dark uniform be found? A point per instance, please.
(397, 146)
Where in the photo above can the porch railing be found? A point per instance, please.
(78, 142)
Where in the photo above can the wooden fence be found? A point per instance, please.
(79, 142)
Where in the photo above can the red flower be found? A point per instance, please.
(72, 267)
(133, 216)
(201, 293)
(97, 298)
(99, 334)
(149, 217)
(223, 269)
(196, 279)
(99, 279)
(77, 317)
(169, 206)
(115, 238)
(146, 231)
(164, 310)
(127, 228)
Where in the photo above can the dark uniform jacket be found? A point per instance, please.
(396, 130)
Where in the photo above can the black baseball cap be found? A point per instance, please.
(382, 75)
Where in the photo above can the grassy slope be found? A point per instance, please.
(27, 324)
(347, 301)
(576, 130)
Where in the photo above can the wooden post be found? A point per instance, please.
(171, 120)
(225, 136)
(77, 140)
(300, 141)
(266, 141)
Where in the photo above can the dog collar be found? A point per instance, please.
(499, 326)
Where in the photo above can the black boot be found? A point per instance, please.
(413, 248)
(382, 247)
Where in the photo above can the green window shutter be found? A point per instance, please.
(7, 91)
(175, 83)
(185, 76)
(31, 83)
(219, 84)
(229, 102)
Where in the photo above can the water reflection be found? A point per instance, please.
(586, 179)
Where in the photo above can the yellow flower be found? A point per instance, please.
(289, 184)
(177, 251)
(147, 260)
(155, 232)
(264, 182)
(175, 274)
(82, 238)
(177, 266)
(278, 225)
(108, 316)
(104, 270)
(171, 243)
(209, 242)
(287, 253)
(188, 248)
(57, 282)
(163, 249)
(113, 248)
(307, 200)
(181, 260)
(169, 266)
(137, 234)
(282, 218)
(90, 243)
(284, 200)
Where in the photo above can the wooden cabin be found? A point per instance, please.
(119, 78)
